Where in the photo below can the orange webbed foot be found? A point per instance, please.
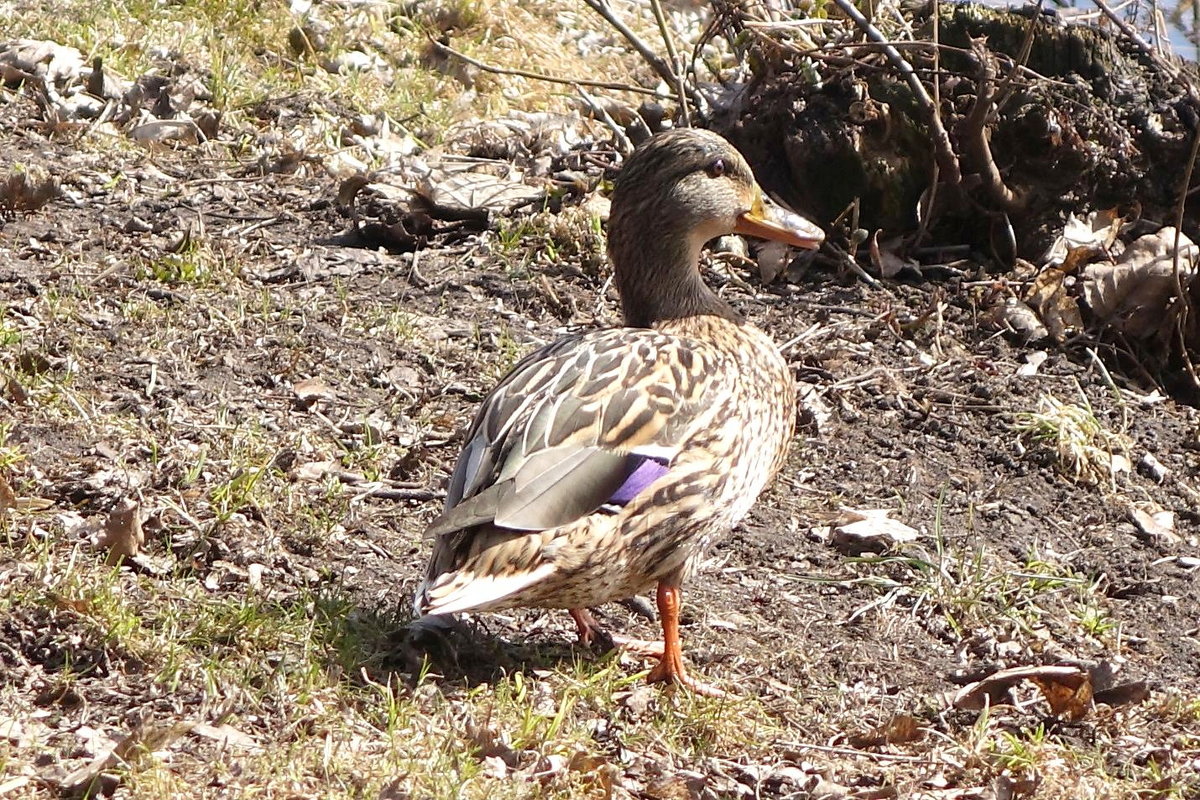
(670, 665)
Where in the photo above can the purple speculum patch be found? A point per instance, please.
(648, 469)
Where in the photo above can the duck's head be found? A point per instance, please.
(678, 190)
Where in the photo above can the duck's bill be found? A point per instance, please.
(769, 221)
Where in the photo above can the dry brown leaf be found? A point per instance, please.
(1097, 230)
(310, 390)
(33, 363)
(468, 192)
(673, 787)
(8, 498)
(1154, 521)
(1048, 297)
(13, 731)
(314, 470)
(53, 62)
(1134, 294)
(492, 743)
(1020, 318)
(898, 730)
(166, 130)
(16, 392)
(1069, 695)
(122, 533)
(9, 786)
(1067, 689)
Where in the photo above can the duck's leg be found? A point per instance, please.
(670, 667)
(591, 632)
(589, 628)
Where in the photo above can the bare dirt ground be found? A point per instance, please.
(215, 342)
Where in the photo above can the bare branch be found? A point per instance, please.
(973, 137)
(947, 161)
(672, 53)
(1171, 70)
(652, 58)
(534, 76)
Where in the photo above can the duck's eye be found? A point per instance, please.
(716, 169)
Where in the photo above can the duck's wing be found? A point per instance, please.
(580, 423)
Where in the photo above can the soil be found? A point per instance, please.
(919, 412)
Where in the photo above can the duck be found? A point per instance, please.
(606, 463)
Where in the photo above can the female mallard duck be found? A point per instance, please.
(608, 461)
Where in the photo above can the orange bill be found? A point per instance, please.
(768, 221)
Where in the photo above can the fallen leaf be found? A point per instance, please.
(1069, 695)
(1154, 521)
(1048, 296)
(27, 189)
(898, 730)
(166, 130)
(8, 498)
(1097, 230)
(466, 193)
(310, 390)
(1152, 468)
(1018, 317)
(1134, 294)
(33, 363)
(226, 736)
(16, 392)
(13, 731)
(122, 533)
(869, 530)
(1032, 362)
(673, 787)
(1067, 689)
(53, 62)
(812, 412)
(11, 785)
(314, 470)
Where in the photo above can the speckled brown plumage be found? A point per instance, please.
(689, 391)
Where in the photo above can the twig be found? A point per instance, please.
(673, 54)
(535, 76)
(928, 200)
(652, 58)
(972, 133)
(823, 52)
(850, 751)
(387, 493)
(1170, 69)
(944, 154)
(853, 266)
(598, 109)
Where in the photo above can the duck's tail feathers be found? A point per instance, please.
(457, 592)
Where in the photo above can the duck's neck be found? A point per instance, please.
(658, 278)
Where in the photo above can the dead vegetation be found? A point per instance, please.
(224, 422)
